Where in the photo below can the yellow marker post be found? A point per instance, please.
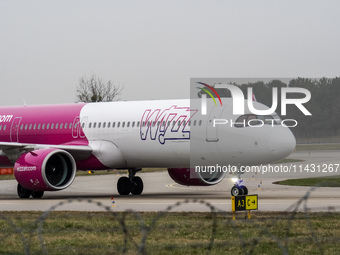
(233, 206)
(242, 203)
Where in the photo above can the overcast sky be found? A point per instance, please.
(153, 48)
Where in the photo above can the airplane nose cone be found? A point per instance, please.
(282, 143)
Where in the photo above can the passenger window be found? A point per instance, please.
(39, 125)
(43, 126)
(123, 124)
(52, 125)
(35, 125)
(70, 126)
(30, 127)
(48, 126)
(22, 126)
(128, 124)
(113, 124)
(99, 124)
(195, 122)
(90, 124)
(118, 124)
(94, 124)
(133, 124)
(108, 125)
(104, 124)
(56, 126)
(0, 127)
(200, 123)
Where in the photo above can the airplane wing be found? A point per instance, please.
(79, 152)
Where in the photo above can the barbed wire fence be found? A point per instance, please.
(275, 231)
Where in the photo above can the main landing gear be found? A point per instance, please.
(132, 184)
(239, 189)
(25, 193)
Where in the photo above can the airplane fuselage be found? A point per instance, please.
(134, 135)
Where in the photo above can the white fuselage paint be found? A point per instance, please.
(162, 145)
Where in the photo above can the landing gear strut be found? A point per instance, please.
(132, 184)
(25, 193)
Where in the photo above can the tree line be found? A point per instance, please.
(324, 104)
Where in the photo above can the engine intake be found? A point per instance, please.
(45, 170)
(191, 177)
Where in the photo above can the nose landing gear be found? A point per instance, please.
(239, 189)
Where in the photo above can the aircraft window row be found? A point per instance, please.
(46, 126)
(42, 126)
(104, 125)
(137, 124)
(254, 120)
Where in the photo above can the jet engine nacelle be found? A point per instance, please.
(45, 170)
(190, 177)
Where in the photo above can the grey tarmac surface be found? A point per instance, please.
(160, 191)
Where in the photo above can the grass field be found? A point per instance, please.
(329, 181)
(172, 233)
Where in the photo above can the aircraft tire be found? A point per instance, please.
(235, 191)
(22, 192)
(137, 186)
(124, 186)
(245, 190)
(37, 194)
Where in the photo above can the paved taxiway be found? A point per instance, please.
(160, 192)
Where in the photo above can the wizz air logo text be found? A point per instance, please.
(169, 124)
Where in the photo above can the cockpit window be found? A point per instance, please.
(254, 120)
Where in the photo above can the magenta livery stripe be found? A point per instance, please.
(212, 89)
(51, 124)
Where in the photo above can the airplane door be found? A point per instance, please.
(75, 127)
(212, 134)
(15, 130)
(82, 127)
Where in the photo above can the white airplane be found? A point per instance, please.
(48, 144)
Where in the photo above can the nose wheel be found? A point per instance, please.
(239, 191)
(132, 184)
